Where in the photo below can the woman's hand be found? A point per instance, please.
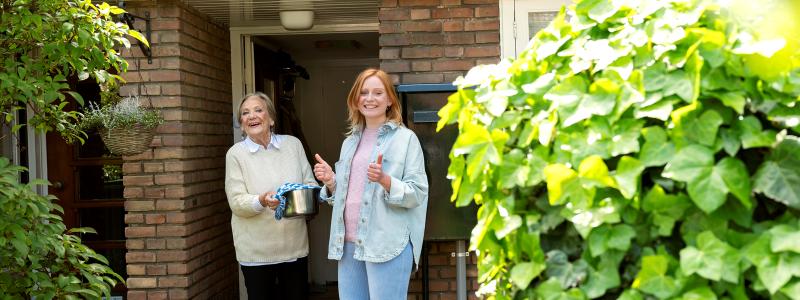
(323, 172)
(375, 173)
(268, 200)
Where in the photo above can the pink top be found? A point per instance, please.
(357, 182)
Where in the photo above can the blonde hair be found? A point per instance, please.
(267, 104)
(356, 120)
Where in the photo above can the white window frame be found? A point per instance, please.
(514, 22)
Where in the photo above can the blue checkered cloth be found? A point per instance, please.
(283, 189)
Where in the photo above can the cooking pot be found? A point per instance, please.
(301, 202)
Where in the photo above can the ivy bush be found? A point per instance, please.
(637, 150)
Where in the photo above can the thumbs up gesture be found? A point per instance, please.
(323, 171)
(375, 173)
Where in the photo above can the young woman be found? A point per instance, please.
(379, 195)
(267, 250)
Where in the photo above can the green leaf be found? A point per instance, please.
(666, 209)
(629, 170)
(561, 181)
(712, 259)
(752, 135)
(730, 141)
(774, 270)
(785, 238)
(708, 191)
(656, 150)
(653, 279)
(138, 36)
(603, 278)
(734, 173)
(597, 10)
(568, 274)
(792, 290)
(701, 293)
(522, 273)
(477, 142)
(779, 176)
(735, 100)
(594, 171)
(689, 163)
(552, 290)
(696, 127)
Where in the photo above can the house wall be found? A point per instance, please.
(435, 41)
(178, 234)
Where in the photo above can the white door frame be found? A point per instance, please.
(242, 75)
(514, 22)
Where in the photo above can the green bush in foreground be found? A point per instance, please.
(637, 150)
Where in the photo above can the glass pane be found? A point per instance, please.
(101, 182)
(538, 20)
(93, 147)
(109, 222)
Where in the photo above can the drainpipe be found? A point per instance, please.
(461, 270)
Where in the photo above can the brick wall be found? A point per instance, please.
(178, 233)
(442, 274)
(435, 41)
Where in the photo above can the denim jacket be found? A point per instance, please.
(387, 220)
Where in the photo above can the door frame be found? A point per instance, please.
(242, 61)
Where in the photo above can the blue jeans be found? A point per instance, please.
(378, 281)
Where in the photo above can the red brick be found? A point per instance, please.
(140, 180)
(131, 167)
(167, 204)
(487, 37)
(422, 78)
(135, 270)
(419, 2)
(395, 66)
(134, 218)
(172, 255)
(167, 231)
(137, 295)
(393, 14)
(157, 295)
(453, 12)
(132, 244)
(464, 38)
(487, 61)
(438, 285)
(389, 53)
(388, 3)
(453, 65)
(152, 167)
(393, 40)
(140, 231)
(451, 2)
(166, 179)
(162, 24)
(427, 38)
(425, 26)
(139, 205)
(422, 52)
(156, 270)
(420, 66)
(482, 51)
(417, 14)
(385, 28)
(155, 244)
(453, 25)
(453, 51)
(487, 11)
(482, 25)
(180, 281)
(140, 257)
(141, 283)
(480, 1)
(177, 269)
(178, 294)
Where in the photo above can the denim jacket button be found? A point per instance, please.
(366, 202)
(358, 242)
(363, 220)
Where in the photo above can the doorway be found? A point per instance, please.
(308, 76)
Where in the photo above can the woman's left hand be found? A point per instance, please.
(268, 200)
(375, 173)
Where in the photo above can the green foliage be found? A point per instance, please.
(118, 112)
(637, 150)
(38, 256)
(45, 42)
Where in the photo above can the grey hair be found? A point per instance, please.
(270, 106)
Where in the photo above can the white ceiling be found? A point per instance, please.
(265, 12)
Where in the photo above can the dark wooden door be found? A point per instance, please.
(87, 180)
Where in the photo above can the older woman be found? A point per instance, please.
(271, 253)
(379, 194)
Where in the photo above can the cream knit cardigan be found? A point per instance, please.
(257, 236)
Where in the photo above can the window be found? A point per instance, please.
(520, 20)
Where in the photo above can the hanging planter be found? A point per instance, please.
(127, 141)
(126, 127)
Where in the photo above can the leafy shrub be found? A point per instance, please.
(636, 150)
(38, 256)
(127, 113)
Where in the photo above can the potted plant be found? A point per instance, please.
(126, 126)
